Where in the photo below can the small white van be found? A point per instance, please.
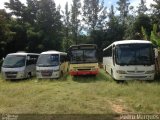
(19, 65)
(51, 64)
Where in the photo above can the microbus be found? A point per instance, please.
(51, 64)
(83, 59)
(130, 60)
(19, 65)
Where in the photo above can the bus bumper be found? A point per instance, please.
(83, 72)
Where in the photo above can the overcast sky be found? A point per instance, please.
(108, 3)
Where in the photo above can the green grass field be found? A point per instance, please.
(79, 95)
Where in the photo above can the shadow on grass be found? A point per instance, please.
(157, 78)
(19, 80)
(62, 78)
(101, 76)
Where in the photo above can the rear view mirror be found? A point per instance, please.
(3, 59)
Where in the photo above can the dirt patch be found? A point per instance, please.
(119, 107)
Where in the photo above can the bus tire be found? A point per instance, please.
(29, 75)
(112, 73)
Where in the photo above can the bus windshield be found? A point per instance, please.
(13, 61)
(83, 56)
(46, 60)
(134, 54)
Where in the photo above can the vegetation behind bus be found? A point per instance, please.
(58, 30)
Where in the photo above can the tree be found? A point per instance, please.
(67, 41)
(75, 20)
(142, 8)
(31, 11)
(115, 29)
(37, 17)
(129, 24)
(17, 9)
(123, 8)
(94, 14)
(6, 34)
(156, 12)
(141, 21)
(155, 36)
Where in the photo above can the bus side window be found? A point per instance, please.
(113, 54)
(61, 58)
(110, 52)
(32, 59)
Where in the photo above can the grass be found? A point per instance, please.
(79, 95)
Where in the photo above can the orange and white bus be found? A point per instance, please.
(83, 59)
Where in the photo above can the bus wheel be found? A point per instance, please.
(29, 75)
(112, 73)
(120, 81)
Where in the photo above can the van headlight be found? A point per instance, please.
(121, 72)
(21, 73)
(150, 72)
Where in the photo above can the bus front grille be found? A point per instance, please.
(136, 77)
(135, 71)
(84, 69)
(11, 74)
(47, 73)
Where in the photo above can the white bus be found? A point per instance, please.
(51, 64)
(130, 60)
(19, 65)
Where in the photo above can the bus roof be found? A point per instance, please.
(128, 42)
(23, 53)
(83, 45)
(53, 52)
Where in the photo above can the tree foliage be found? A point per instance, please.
(75, 20)
(94, 15)
(156, 11)
(40, 25)
(142, 8)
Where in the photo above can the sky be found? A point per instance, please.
(108, 3)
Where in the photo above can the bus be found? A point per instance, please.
(130, 60)
(19, 65)
(83, 59)
(51, 64)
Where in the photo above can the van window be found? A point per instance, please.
(32, 59)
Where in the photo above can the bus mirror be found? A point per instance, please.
(3, 58)
(156, 52)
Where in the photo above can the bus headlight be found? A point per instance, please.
(150, 72)
(121, 72)
(94, 69)
(21, 73)
(56, 70)
(74, 69)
